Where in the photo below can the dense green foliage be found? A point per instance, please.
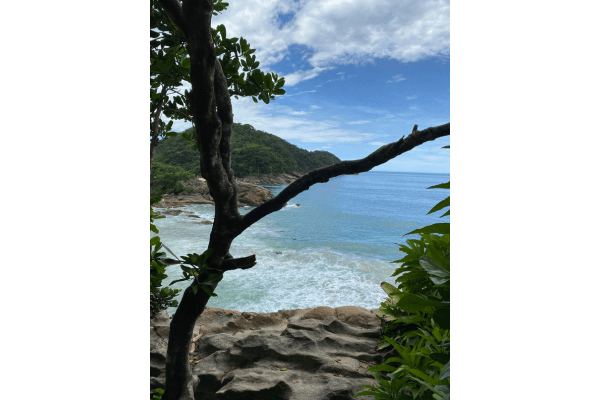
(160, 297)
(418, 313)
(178, 152)
(253, 153)
(166, 178)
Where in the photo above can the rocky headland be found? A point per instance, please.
(317, 353)
(249, 194)
(266, 179)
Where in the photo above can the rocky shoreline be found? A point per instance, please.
(266, 179)
(317, 353)
(249, 194)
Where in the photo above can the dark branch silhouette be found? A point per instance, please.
(378, 157)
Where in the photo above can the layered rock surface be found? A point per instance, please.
(308, 354)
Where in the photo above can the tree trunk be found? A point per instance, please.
(180, 383)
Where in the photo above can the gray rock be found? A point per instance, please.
(308, 354)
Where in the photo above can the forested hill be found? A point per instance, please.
(253, 153)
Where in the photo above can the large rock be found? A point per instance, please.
(309, 354)
(252, 195)
(248, 195)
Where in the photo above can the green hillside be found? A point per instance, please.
(253, 153)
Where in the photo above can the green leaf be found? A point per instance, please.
(394, 359)
(411, 319)
(434, 269)
(186, 63)
(440, 357)
(442, 204)
(445, 214)
(153, 228)
(440, 186)
(221, 29)
(445, 372)
(194, 289)
(389, 289)
(440, 228)
(208, 291)
(414, 303)
(446, 147)
(382, 367)
(365, 393)
(155, 240)
(441, 316)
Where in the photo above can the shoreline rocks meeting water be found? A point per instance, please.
(317, 353)
(250, 194)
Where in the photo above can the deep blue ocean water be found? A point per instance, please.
(334, 249)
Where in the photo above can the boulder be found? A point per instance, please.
(171, 212)
(357, 316)
(320, 313)
(252, 195)
(306, 354)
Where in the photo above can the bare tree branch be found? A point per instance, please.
(321, 175)
(238, 263)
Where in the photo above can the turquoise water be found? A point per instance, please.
(334, 249)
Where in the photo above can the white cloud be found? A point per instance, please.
(411, 97)
(300, 75)
(298, 113)
(296, 94)
(397, 78)
(315, 107)
(341, 32)
(358, 122)
(301, 128)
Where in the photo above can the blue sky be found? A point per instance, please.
(359, 74)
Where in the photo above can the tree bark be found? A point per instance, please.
(211, 109)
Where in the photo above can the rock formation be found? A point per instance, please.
(248, 195)
(266, 179)
(310, 354)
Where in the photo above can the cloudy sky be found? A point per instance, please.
(359, 74)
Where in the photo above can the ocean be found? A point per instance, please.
(334, 249)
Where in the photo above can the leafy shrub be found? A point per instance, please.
(166, 179)
(160, 297)
(418, 319)
(158, 394)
